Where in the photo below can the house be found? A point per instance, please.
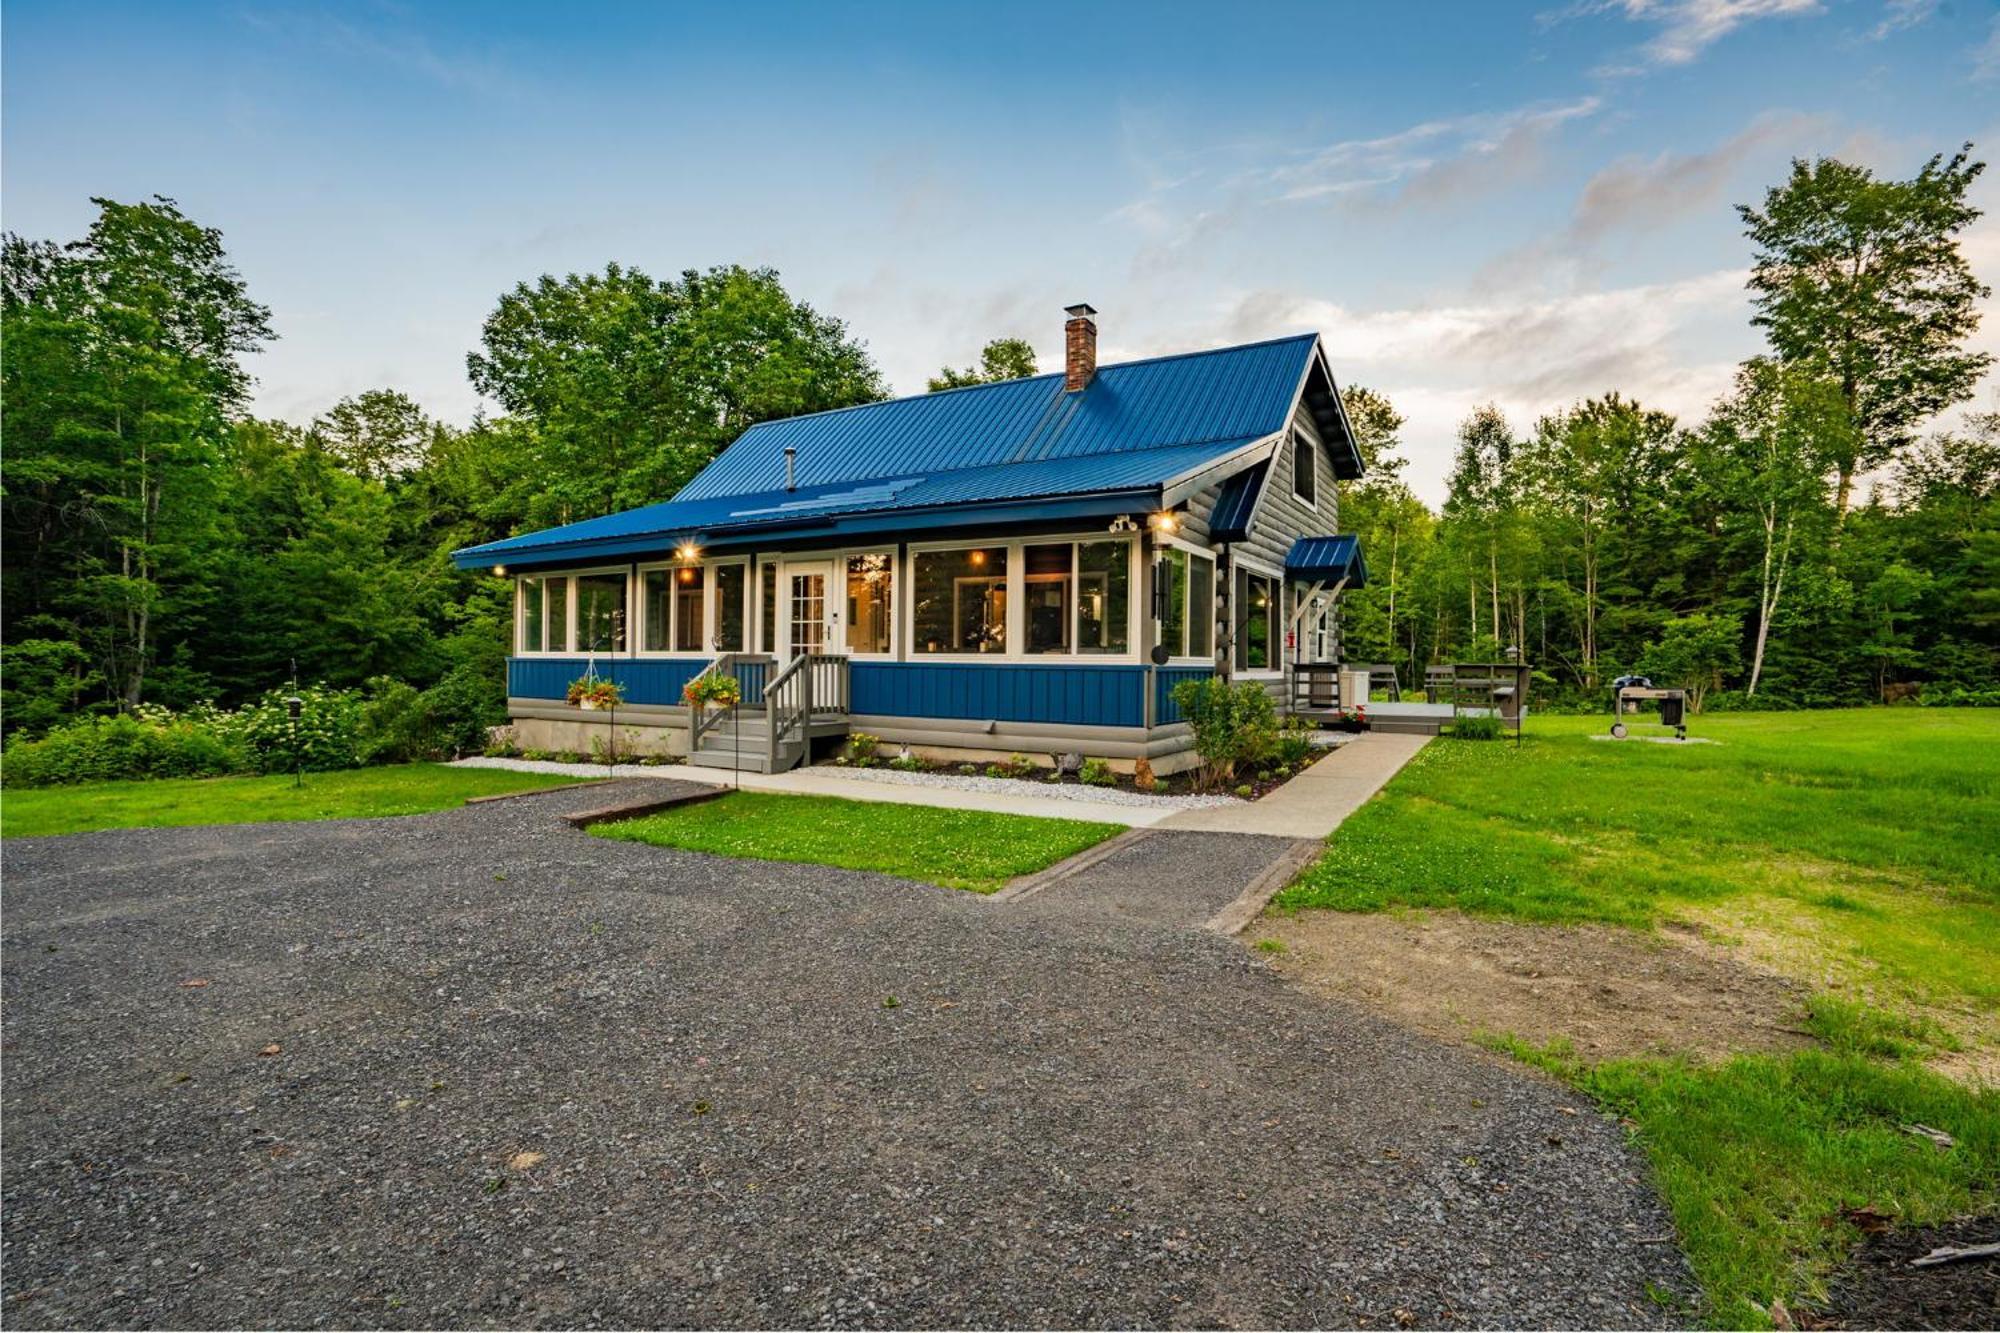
(1029, 566)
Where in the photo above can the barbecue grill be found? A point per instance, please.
(1629, 691)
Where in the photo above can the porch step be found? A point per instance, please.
(1408, 726)
(743, 761)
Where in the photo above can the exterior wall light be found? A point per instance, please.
(499, 571)
(688, 551)
(1165, 522)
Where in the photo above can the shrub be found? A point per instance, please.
(152, 743)
(907, 763)
(1231, 724)
(1962, 699)
(1097, 773)
(326, 736)
(1476, 728)
(1293, 743)
(861, 746)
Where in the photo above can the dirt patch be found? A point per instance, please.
(1610, 991)
(1879, 1289)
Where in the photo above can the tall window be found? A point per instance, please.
(656, 607)
(1104, 597)
(545, 615)
(1305, 480)
(600, 613)
(961, 601)
(531, 615)
(1201, 608)
(689, 618)
(1187, 620)
(1049, 577)
(732, 589)
(1257, 612)
(870, 586)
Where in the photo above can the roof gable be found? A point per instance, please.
(1231, 393)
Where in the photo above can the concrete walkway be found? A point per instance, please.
(1314, 803)
(805, 782)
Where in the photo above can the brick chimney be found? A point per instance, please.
(1079, 347)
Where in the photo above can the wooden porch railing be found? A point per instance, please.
(809, 686)
(750, 671)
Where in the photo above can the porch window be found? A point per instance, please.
(961, 601)
(732, 589)
(531, 615)
(1256, 622)
(767, 597)
(656, 610)
(1050, 576)
(1201, 607)
(600, 613)
(1103, 597)
(870, 588)
(545, 614)
(690, 617)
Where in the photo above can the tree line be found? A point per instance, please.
(164, 545)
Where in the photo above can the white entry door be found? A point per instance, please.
(811, 609)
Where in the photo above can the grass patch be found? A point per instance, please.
(959, 849)
(360, 793)
(1866, 831)
(1760, 1158)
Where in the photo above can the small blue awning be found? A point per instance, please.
(1327, 560)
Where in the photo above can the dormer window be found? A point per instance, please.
(1305, 477)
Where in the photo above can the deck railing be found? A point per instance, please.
(749, 669)
(811, 685)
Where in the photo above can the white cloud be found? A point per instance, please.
(1986, 60)
(1901, 14)
(1686, 28)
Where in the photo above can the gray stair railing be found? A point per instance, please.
(745, 667)
(810, 685)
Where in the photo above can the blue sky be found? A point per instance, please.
(1471, 202)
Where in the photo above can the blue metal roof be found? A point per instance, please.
(1132, 476)
(1237, 504)
(1233, 393)
(1136, 428)
(1328, 558)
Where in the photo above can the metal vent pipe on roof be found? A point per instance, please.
(791, 468)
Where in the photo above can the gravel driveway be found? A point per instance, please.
(527, 1077)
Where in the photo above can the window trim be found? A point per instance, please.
(710, 607)
(1195, 551)
(569, 578)
(895, 600)
(1303, 446)
(1252, 565)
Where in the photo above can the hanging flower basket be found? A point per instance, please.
(592, 692)
(713, 690)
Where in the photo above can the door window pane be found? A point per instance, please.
(1049, 578)
(656, 606)
(808, 613)
(600, 613)
(961, 601)
(732, 585)
(531, 615)
(1201, 607)
(767, 580)
(1104, 597)
(690, 622)
(1173, 576)
(555, 592)
(869, 587)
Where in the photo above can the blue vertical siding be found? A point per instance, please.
(646, 680)
(1091, 696)
(1165, 711)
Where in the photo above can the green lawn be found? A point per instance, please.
(959, 849)
(1853, 850)
(362, 793)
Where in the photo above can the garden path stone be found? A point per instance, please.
(529, 1077)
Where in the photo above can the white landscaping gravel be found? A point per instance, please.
(1058, 791)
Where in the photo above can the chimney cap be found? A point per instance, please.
(1079, 311)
